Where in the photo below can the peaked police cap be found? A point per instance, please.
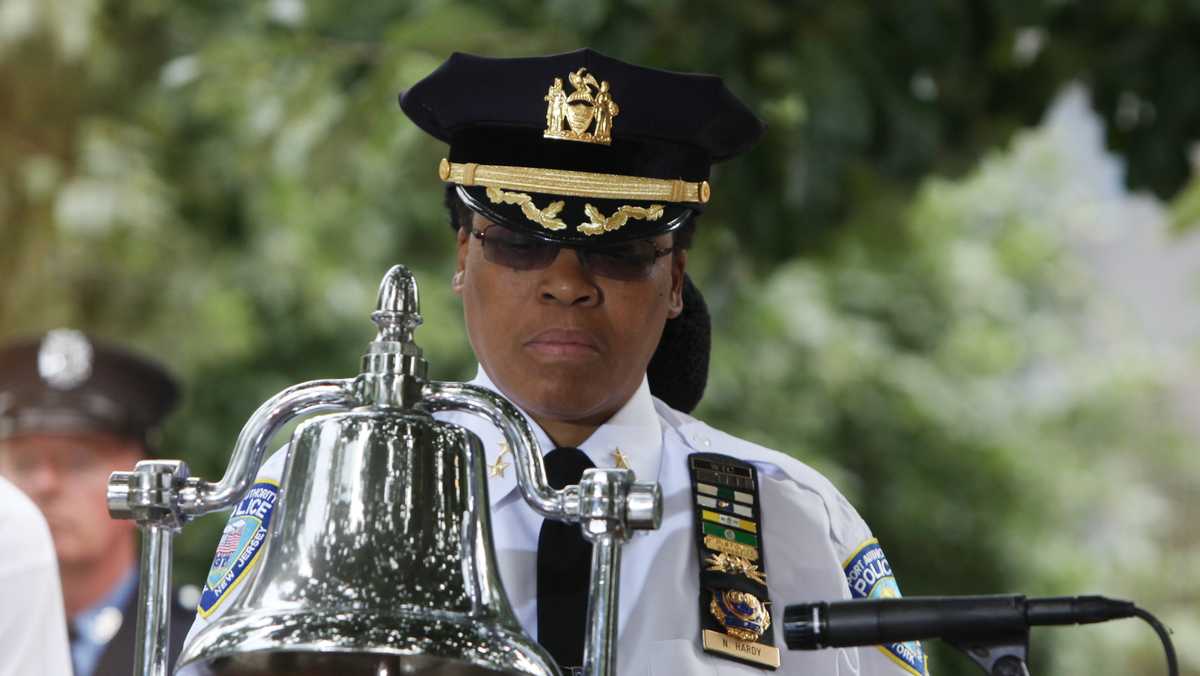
(67, 382)
(580, 148)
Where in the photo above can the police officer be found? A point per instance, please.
(574, 183)
(72, 411)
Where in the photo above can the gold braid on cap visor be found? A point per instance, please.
(500, 179)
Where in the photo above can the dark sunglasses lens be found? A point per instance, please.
(628, 261)
(510, 249)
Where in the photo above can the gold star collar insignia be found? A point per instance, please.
(620, 460)
(496, 469)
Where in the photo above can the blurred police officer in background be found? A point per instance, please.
(574, 182)
(72, 411)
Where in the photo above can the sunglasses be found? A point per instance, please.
(627, 261)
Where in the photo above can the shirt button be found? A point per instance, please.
(703, 441)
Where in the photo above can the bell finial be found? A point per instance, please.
(392, 368)
(398, 311)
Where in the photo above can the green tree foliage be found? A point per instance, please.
(967, 411)
(897, 299)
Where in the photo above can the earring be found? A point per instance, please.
(457, 279)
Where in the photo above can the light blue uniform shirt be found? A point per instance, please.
(94, 627)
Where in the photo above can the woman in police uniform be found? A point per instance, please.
(573, 211)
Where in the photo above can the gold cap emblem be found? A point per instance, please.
(585, 114)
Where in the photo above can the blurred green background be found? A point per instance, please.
(957, 276)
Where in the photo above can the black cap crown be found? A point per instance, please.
(65, 381)
(580, 147)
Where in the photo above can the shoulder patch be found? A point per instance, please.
(870, 577)
(240, 544)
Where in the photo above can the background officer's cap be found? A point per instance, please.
(580, 147)
(65, 382)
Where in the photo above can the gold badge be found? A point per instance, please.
(740, 613)
(585, 114)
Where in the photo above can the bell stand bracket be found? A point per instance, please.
(161, 497)
(148, 495)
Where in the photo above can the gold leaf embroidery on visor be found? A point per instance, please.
(601, 224)
(543, 217)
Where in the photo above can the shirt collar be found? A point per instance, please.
(635, 430)
(96, 623)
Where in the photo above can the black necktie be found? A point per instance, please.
(564, 566)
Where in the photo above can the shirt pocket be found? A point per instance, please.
(680, 657)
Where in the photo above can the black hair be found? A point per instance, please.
(460, 218)
(459, 212)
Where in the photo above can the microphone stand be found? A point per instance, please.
(999, 656)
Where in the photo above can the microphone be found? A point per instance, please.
(859, 622)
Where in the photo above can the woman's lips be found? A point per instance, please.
(564, 343)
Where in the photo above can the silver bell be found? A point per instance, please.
(380, 556)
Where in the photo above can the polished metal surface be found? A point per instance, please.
(202, 497)
(380, 557)
(611, 506)
(393, 369)
(148, 496)
(603, 496)
(154, 618)
(161, 497)
(381, 547)
(561, 505)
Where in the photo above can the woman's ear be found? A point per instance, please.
(460, 271)
(678, 267)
